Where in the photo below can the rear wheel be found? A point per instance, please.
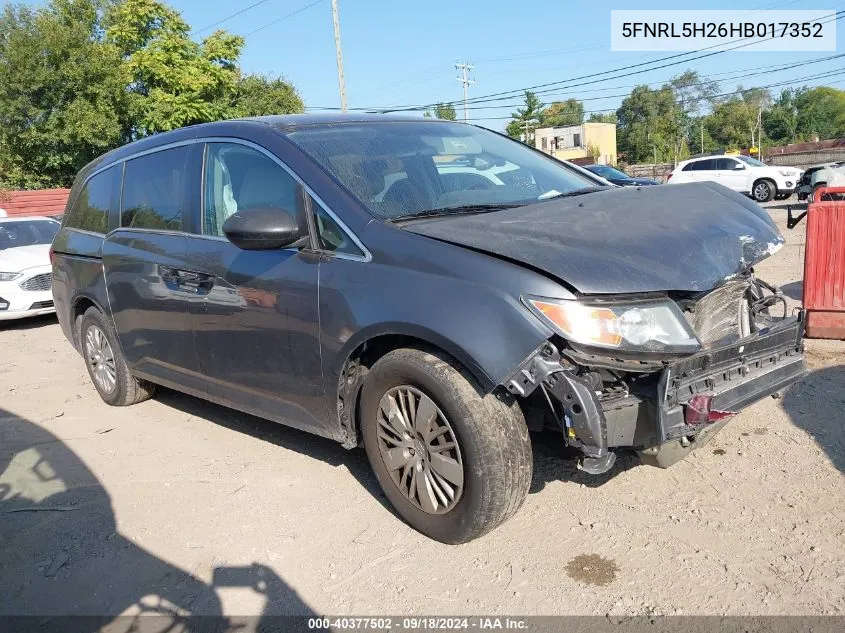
(454, 464)
(106, 365)
(763, 190)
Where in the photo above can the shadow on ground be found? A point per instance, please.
(61, 552)
(552, 460)
(30, 323)
(794, 290)
(809, 404)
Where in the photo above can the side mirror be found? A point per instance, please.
(739, 167)
(261, 229)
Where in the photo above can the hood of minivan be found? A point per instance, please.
(21, 257)
(687, 237)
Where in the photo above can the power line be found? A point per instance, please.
(726, 94)
(512, 93)
(284, 17)
(229, 17)
(737, 74)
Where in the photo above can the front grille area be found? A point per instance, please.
(39, 305)
(722, 313)
(38, 282)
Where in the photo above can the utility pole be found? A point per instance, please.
(466, 81)
(340, 80)
(702, 135)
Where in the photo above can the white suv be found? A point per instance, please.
(740, 173)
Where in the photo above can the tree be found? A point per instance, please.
(560, 113)
(174, 81)
(781, 120)
(693, 94)
(443, 111)
(594, 151)
(526, 119)
(257, 95)
(81, 77)
(62, 93)
(648, 125)
(602, 117)
(820, 111)
(734, 122)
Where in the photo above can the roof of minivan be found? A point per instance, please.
(284, 121)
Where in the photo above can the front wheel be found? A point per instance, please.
(454, 464)
(763, 191)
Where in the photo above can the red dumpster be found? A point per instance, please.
(824, 265)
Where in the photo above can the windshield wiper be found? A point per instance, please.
(574, 192)
(463, 209)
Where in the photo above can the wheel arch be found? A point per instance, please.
(767, 179)
(81, 303)
(365, 348)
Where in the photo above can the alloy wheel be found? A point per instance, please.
(420, 450)
(100, 358)
(761, 191)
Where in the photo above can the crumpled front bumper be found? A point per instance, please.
(652, 416)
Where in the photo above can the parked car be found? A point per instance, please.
(618, 177)
(741, 173)
(25, 272)
(819, 176)
(434, 325)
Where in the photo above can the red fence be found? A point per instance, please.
(43, 202)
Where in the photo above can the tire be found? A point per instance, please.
(763, 190)
(492, 446)
(106, 365)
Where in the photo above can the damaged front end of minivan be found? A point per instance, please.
(661, 329)
(720, 351)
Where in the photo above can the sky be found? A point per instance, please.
(398, 52)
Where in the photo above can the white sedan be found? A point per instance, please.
(26, 276)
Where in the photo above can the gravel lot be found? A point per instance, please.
(180, 505)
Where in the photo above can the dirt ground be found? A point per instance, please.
(180, 505)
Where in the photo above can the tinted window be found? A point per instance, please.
(239, 178)
(726, 163)
(91, 210)
(705, 165)
(329, 234)
(27, 233)
(689, 167)
(153, 190)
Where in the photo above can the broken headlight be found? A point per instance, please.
(651, 326)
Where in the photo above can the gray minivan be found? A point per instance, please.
(431, 289)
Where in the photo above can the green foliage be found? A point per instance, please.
(733, 123)
(80, 77)
(602, 117)
(174, 81)
(820, 111)
(62, 93)
(649, 125)
(445, 111)
(526, 119)
(560, 113)
(257, 95)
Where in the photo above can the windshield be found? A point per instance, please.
(751, 161)
(27, 233)
(608, 172)
(403, 169)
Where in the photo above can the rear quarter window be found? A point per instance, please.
(704, 165)
(90, 211)
(153, 190)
